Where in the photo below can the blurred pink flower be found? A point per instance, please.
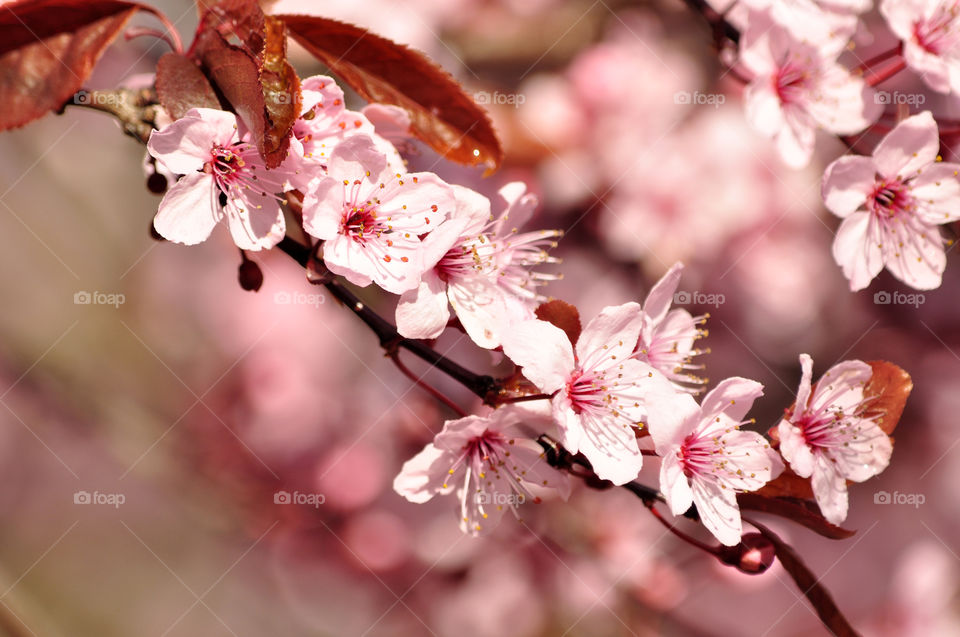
(371, 218)
(493, 458)
(667, 336)
(205, 147)
(707, 459)
(930, 30)
(798, 87)
(891, 204)
(602, 393)
(825, 439)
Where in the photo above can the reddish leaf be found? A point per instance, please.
(441, 113)
(241, 18)
(891, 386)
(787, 485)
(810, 586)
(799, 511)
(563, 315)
(236, 74)
(48, 49)
(181, 85)
(281, 92)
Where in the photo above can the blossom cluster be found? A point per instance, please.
(804, 74)
(627, 375)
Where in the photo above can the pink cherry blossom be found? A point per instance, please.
(492, 461)
(891, 204)
(482, 266)
(826, 439)
(707, 459)
(371, 218)
(601, 393)
(206, 147)
(799, 87)
(325, 121)
(667, 337)
(930, 30)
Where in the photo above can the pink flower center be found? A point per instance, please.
(792, 82)
(891, 198)
(360, 222)
(826, 429)
(227, 163)
(464, 260)
(586, 392)
(939, 33)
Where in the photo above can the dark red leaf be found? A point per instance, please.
(891, 386)
(240, 18)
(48, 49)
(181, 85)
(799, 511)
(562, 315)
(236, 74)
(281, 92)
(788, 485)
(441, 113)
(810, 586)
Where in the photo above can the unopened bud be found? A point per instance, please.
(250, 275)
(157, 183)
(754, 554)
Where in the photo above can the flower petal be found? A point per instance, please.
(856, 249)
(423, 312)
(660, 297)
(718, 511)
(674, 485)
(543, 351)
(830, 490)
(189, 211)
(913, 144)
(611, 336)
(424, 475)
(184, 146)
(847, 183)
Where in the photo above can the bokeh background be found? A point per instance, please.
(194, 402)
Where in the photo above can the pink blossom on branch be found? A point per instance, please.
(601, 393)
(668, 336)
(206, 147)
(491, 461)
(371, 218)
(707, 459)
(891, 204)
(799, 87)
(930, 31)
(482, 265)
(826, 439)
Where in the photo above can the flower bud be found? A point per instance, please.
(754, 554)
(250, 275)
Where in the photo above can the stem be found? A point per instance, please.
(882, 75)
(134, 109)
(897, 50)
(484, 386)
(524, 399)
(430, 389)
(712, 550)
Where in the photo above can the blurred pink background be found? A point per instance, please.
(182, 410)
